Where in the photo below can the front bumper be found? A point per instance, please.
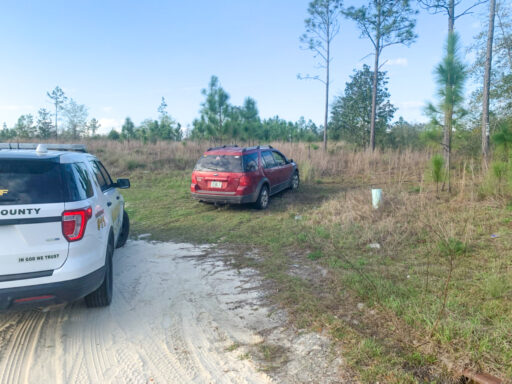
(51, 293)
(224, 199)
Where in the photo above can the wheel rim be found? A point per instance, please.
(264, 198)
(295, 181)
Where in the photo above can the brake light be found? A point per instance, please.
(194, 180)
(74, 223)
(244, 181)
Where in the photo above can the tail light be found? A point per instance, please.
(194, 180)
(74, 223)
(244, 181)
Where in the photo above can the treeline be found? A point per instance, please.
(219, 121)
(69, 120)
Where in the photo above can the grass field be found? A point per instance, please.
(433, 298)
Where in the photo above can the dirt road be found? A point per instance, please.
(179, 315)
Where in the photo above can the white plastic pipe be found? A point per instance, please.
(376, 197)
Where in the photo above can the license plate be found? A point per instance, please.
(216, 184)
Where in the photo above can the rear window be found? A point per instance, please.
(220, 163)
(30, 182)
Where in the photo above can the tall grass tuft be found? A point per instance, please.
(499, 171)
(437, 165)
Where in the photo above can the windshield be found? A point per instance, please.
(220, 163)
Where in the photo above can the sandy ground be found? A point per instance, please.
(179, 315)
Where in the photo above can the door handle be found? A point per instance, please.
(109, 204)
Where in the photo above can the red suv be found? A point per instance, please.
(235, 175)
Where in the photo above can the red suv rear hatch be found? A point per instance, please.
(218, 173)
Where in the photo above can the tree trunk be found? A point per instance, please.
(487, 84)
(448, 115)
(374, 97)
(326, 116)
(451, 16)
(449, 153)
(375, 79)
(56, 128)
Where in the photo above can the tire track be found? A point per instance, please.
(20, 349)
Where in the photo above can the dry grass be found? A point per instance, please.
(354, 167)
(337, 162)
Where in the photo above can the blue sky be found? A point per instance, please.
(120, 57)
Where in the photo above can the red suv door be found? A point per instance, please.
(270, 170)
(283, 170)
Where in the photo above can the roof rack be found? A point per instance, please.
(51, 147)
(221, 147)
(257, 147)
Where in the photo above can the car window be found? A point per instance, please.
(105, 174)
(31, 182)
(268, 159)
(99, 176)
(78, 182)
(251, 162)
(279, 159)
(220, 163)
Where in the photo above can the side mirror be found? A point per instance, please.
(123, 183)
(290, 160)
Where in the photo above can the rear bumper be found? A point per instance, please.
(225, 199)
(51, 293)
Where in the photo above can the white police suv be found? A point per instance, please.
(61, 216)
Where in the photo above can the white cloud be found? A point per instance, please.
(399, 61)
(411, 110)
(107, 124)
(106, 109)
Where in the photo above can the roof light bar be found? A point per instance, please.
(49, 147)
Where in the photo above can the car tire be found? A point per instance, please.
(125, 231)
(263, 198)
(102, 297)
(295, 182)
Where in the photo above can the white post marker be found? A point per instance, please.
(376, 197)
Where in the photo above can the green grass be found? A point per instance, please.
(401, 283)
